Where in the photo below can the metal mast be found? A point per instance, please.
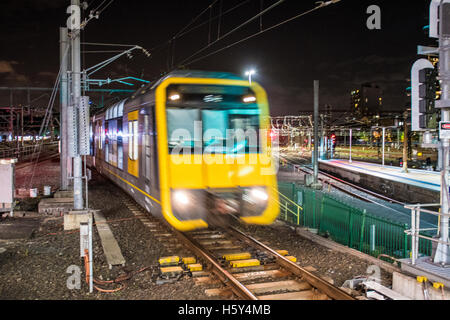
(76, 97)
(442, 252)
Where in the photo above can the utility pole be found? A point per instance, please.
(405, 143)
(76, 96)
(64, 96)
(384, 144)
(316, 184)
(351, 140)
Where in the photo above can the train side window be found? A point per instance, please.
(133, 140)
(120, 144)
(101, 136)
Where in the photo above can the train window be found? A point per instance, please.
(181, 127)
(222, 131)
(107, 146)
(133, 146)
(99, 136)
(120, 112)
(120, 144)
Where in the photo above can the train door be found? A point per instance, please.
(149, 154)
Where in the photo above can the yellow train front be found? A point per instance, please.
(193, 147)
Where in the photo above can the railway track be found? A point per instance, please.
(248, 268)
(346, 183)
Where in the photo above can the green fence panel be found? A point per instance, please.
(347, 224)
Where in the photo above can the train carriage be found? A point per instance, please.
(192, 148)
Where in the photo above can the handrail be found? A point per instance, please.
(415, 230)
(287, 209)
(287, 199)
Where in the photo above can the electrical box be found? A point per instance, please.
(7, 187)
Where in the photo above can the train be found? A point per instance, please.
(192, 148)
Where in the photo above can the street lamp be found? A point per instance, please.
(249, 74)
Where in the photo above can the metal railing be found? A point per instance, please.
(346, 223)
(286, 204)
(417, 233)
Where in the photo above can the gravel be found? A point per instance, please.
(36, 268)
(329, 263)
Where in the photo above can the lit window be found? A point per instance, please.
(133, 139)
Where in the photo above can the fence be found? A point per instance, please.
(345, 224)
(24, 152)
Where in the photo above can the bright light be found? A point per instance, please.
(249, 99)
(250, 73)
(181, 197)
(259, 194)
(175, 97)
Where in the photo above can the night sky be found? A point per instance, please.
(332, 45)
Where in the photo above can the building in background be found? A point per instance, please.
(367, 101)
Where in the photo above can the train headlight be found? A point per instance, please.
(256, 195)
(254, 201)
(181, 198)
(249, 99)
(259, 194)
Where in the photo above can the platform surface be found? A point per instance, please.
(421, 178)
(424, 267)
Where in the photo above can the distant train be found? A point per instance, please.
(181, 148)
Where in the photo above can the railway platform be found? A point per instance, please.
(416, 186)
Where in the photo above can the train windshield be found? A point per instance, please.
(231, 131)
(213, 119)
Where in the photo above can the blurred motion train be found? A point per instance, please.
(168, 147)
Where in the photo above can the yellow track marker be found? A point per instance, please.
(172, 270)
(237, 256)
(245, 263)
(195, 267)
(283, 252)
(438, 285)
(422, 279)
(169, 260)
(189, 260)
(291, 258)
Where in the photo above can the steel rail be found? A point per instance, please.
(225, 276)
(318, 283)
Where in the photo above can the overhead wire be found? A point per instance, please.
(252, 36)
(233, 30)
